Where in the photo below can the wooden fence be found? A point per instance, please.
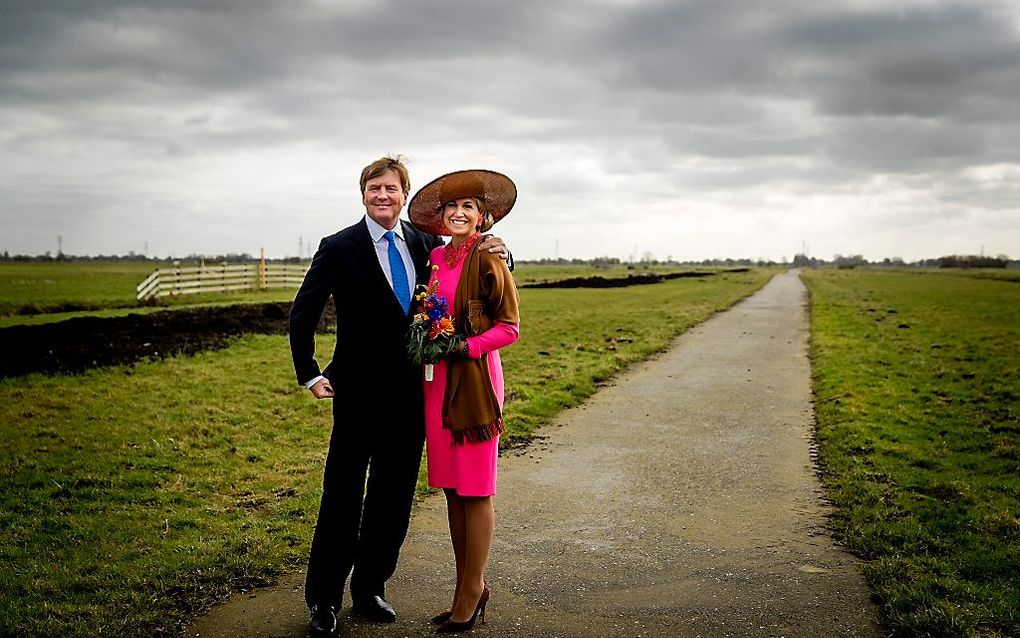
(222, 278)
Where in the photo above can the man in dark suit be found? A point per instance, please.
(370, 269)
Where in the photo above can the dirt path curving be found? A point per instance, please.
(680, 501)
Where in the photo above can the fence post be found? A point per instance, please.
(262, 269)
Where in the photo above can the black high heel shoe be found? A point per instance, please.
(443, 616)
(453, 626)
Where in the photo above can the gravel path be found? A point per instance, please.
(679, 501)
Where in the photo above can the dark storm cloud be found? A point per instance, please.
(932, 76)
(233, 45)
(923, 62)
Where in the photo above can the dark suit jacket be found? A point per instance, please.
(370, 359)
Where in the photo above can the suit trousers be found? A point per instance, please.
(362, 524)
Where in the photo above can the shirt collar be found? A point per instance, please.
(377, 231)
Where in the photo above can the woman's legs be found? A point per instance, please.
(479, 522)
(458, 534)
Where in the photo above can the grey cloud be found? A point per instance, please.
(231, 45)
(925, 62)
(904, 144)
(658, 101)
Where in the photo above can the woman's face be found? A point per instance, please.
(461, 217)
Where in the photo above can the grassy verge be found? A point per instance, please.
(132, 497)
(574, 339)
(917, 384)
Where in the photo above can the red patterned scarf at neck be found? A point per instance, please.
(452, 255)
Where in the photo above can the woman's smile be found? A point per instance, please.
(461, 217)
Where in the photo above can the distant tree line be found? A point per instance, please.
(799, 261)
(135, 257)
(47, 256)
(973, 261)
(951, 261)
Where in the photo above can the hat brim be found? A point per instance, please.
(495, 189)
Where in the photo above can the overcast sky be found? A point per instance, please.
(690, 129)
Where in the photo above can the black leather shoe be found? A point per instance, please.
(374, 608)
(323, 621)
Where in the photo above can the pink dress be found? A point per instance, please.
(470, 468)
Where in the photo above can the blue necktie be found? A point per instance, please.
(398, 273)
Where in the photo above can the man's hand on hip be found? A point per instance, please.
(323, 390)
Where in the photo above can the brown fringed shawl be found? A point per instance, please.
(485, 294)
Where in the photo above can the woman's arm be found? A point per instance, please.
(498, 336)
(501, 301)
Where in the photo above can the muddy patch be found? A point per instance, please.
(82, 343)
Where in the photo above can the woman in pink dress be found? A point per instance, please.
(464, 398)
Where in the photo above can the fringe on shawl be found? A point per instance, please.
(475, 434)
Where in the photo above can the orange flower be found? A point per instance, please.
(446, 326)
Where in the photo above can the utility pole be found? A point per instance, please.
(60, 245)
(301, 247)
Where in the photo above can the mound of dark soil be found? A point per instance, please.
(616, 282)
(81, 343)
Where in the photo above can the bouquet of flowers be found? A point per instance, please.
(431, 336)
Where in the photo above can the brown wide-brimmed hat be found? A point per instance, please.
(495, 189)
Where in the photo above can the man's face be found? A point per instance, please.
(384, 198)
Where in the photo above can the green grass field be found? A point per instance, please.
(38, 292)
(917, 383)
(44, 292)
(71, 285)
(133, 497)
(1002, 274)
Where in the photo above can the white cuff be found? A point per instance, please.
(314, 381)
